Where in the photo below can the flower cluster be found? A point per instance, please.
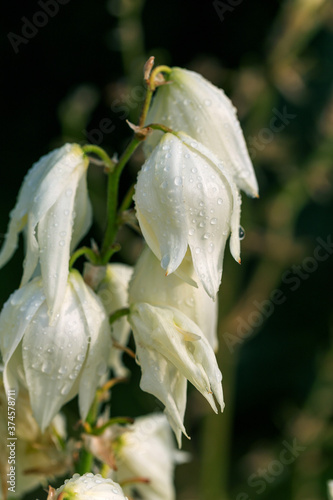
(62, 334)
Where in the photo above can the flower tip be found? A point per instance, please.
(239, 260)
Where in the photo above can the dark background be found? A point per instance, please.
(80, 69)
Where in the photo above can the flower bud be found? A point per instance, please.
(54, 210)
(59, 360)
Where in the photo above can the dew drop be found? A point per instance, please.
(219, 201)
(62, 243)
(213, 221)
(241, 233)
(47, 366)
(191, 231)
(178, 181)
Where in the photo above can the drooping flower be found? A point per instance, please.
(146, 450)
(38, 455)
(149, 284)
(54, 361)
(87, 487)
(172, 349)
(54, 211)
(192, 104)
(113, 292)
(186, 199)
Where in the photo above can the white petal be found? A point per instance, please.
(83, 212)
(18, 216)
(54, 237)
(164, 330)
(159, 202)
(16, 314)
(98, 333)
(166, 383)
(149, 284)
(53, 357)
(113, 292)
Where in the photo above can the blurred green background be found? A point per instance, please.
(78, 77)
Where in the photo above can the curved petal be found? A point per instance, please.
(171, 334)
(82, 211)
(54, 237)
(53, 357)
(158, 199)
(97, 333)
(166, 383)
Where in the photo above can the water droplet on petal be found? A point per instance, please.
(213, 221)
(241, 233)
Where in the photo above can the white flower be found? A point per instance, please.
(191, 104)
(88, 487)
(149, 284)
(38, 456)
(146, 450)
(54, 210)
(185, 198)
(59, 360)
(113, 292)
(170, 349)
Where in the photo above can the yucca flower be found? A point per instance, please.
(87, 487)
(185, 199)
(54, 211)
(59, 360)
(192, 104)
(147, 450)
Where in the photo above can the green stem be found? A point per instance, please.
(88, 252)
(150, 90)
(91, 148)
(163, 128)
(113, 185)
(119, 314)
(112, 421)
